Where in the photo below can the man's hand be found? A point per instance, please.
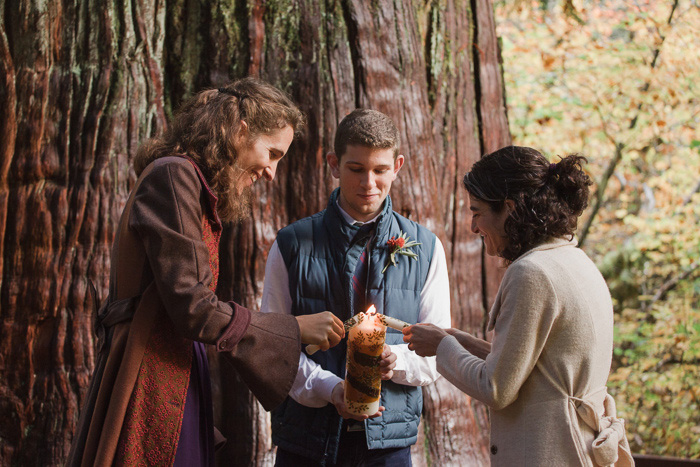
(322, 329)
(338, 400)
(423, 339)
(387, 363)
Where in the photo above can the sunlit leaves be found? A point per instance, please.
(585, 88)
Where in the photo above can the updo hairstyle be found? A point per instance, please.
(549, 198)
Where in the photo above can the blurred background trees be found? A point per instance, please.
(618, 82)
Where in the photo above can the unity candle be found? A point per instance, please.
(363, 381)
(388, 321)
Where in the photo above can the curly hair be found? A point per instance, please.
(205, 126)
(548, 198)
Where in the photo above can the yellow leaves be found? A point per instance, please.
(673, 386)
(681, 338)
(647, 364)
(594, 78)
(656, 384)
(621, 213)
(547, 60)
(665, 238)
(621, 374)
(649, 403)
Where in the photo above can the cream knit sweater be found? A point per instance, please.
(552, 347)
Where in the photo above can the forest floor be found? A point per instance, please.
(618, 82)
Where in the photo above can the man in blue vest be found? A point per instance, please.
(340, 259)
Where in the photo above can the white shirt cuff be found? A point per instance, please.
(411, 369)
(325, 384)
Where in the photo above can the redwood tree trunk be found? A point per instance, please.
(82, 84)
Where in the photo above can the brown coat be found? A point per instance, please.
(160, 272)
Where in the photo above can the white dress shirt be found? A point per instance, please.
(313, 385)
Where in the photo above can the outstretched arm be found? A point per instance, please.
(474, 345)
(424, 339)
(526, 311)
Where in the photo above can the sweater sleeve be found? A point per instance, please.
(526, 312)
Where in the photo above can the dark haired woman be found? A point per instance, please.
(545, 372)
(149, 401)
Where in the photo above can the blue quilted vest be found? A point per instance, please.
(321, 253)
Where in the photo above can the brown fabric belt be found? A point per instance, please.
(112, 313)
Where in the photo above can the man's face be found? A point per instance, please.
(365, 176)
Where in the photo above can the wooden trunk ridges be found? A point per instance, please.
(82, 84)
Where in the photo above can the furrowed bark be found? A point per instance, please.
(84, 83)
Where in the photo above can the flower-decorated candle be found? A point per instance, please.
(363, 381)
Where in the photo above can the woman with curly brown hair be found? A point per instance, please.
(149, 401)
(544, 374)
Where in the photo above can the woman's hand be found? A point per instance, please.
(338, 400)
(423, 339)
(387, 363)
(322, 329)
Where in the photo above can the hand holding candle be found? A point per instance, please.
(387, 363)
(324, 330)
(424, 339)
(338, 400)
(388, 321)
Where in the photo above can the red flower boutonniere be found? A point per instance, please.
(402, 246)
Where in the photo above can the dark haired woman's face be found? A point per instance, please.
(489, 224)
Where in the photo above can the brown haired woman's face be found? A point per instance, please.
(258, 157)
(489, 224)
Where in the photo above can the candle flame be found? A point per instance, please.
(372, 310)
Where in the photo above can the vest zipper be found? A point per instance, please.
(369, 267)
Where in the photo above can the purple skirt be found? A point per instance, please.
(196, 444)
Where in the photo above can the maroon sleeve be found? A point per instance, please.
(167, 216)
(235, 329)
(267, 356)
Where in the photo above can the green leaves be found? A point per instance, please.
(627, 78)
(399, 245)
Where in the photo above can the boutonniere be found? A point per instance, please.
(402, 246)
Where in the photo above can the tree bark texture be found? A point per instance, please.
(82, 84)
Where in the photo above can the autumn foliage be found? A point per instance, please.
(617, 82)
